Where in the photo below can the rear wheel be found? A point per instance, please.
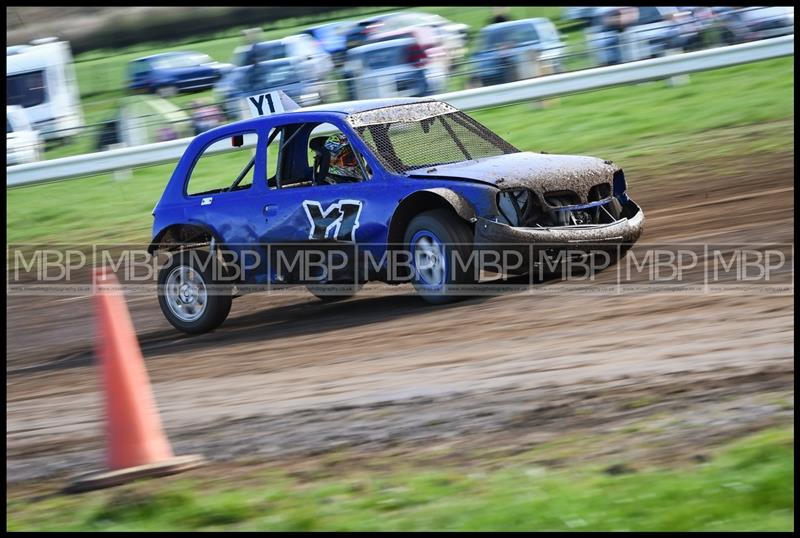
(436, 241)
(190, 297)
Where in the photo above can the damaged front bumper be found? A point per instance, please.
(550, 240)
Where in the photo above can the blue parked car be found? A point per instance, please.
(506, 51)
(282, 74)
(392, 190)
(332, 38)
(172, 72)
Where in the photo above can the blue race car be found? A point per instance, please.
(393, 190)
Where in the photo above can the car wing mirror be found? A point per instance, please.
(237, 141)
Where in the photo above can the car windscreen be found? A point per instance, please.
(179, 60)
(388, 56)
(274, 76)
(649, 15)
(495, 38)
(9, 129)
(25, 89)
(447, 138)
(270, 51)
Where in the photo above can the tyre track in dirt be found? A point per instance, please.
(289, 375)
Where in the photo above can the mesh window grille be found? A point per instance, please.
(445, 138)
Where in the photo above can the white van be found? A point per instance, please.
(41, 79)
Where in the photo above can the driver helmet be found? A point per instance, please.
(343, 159)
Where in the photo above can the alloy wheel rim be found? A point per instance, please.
(429, 261)
(186, 294)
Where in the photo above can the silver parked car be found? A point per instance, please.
(393, 68)
(309, 56)
(515, 50)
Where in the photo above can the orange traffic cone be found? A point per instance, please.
(137, 446)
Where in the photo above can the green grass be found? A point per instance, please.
(625, 124)
(611, 121)
(746, 486)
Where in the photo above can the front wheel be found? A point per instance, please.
(440, 244)
(189, 294)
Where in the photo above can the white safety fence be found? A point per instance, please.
(501, 94)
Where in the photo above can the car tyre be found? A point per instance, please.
(190, 297)
(434, 238)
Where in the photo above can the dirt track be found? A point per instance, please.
(288, 376)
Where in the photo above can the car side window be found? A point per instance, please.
(274, 141)
(313, 154)
(332, 158)
(525, 33)
(227, 164)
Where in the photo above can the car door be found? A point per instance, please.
(224, 191)
(311, 230)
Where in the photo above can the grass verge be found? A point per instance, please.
(746, 485)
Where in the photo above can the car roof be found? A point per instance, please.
(330, 25)
(382, 45)
(166, 54)
(372, 20)
(284, 39)
(535, 20)
(343, 108)
(352, 107)
(406, 30)
(278, 62)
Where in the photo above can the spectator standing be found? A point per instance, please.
(500, 15)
